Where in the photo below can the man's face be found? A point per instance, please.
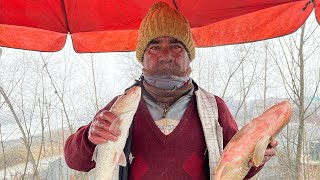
(166, 56)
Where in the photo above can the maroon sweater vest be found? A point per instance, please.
(179, 155)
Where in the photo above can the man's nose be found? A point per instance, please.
(166, 54)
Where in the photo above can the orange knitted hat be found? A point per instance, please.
(162, 20)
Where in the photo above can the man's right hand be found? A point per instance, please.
(100, 132)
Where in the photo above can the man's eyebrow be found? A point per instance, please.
(175, 41)
(154, 41)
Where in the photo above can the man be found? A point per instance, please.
(179, 129)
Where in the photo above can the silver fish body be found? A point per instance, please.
(110, 154)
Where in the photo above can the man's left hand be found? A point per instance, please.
(270, 151)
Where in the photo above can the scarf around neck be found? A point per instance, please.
(166, 97)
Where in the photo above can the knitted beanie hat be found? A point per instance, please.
(161, 20)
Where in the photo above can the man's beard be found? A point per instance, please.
(168, 69)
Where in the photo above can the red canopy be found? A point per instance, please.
(111, 25)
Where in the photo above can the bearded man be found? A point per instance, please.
(179, 130)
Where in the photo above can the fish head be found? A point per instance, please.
(277, 116)
(129, 101)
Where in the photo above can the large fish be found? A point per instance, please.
(110, 154)
(251, 142)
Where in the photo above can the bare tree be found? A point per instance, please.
(23, 132)
(129, 67)
(292, 67)
(59, 92)
(205, 67)
(4, 154)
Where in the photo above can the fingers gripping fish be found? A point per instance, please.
(251, 142)
(110, 154)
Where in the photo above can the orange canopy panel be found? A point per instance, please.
(318, 10)
(112, 25)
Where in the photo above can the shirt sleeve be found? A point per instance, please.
(230, 128)
(78, 150)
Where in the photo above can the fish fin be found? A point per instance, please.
(259, 151)
(122, 160)
(115, 124)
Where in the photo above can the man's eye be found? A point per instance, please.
(176, 46)
(154, 47)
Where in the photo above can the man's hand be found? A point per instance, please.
(100, 131)
(269, 153)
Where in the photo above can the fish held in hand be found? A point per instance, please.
(110, 154)
(250, 143)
